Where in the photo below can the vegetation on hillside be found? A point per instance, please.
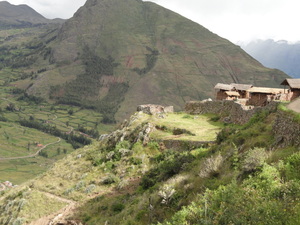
(245, 178)
(84, 90)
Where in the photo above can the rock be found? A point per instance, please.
(155, 109)
(103, 136)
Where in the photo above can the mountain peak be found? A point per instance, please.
(19, 16)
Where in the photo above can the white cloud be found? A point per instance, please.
(242, 20)
(52, 8)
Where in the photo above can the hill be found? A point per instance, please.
(249, 174)
(276, 54)
(114, 54)
(20, 16)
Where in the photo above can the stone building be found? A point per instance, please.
(294, 88)
(231, 91)
(242, 89)
(261, 96)
(221, 90)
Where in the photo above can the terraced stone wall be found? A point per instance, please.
(286, 129)
(229, 111)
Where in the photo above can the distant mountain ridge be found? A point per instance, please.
(116, 54)
(21, 16)
(276, 54)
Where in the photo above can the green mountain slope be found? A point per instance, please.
(115, 54)
(248, 176)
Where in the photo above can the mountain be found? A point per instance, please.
(276, 54)
(116, 54)
(20, 16)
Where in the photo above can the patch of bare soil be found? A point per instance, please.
(295, 105)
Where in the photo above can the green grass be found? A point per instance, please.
(199, 128)
(19, 141)
(295, 115)
(16, 141)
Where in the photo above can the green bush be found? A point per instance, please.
(117, 207)
(292, 167)
(168, 164)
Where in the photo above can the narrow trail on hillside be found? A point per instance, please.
(56, 217)
(32, 155)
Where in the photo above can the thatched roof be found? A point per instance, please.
(232, 93)
(266, 90)
(226, 87)
(293, 83)
(241, 87)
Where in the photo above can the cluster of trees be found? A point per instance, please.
(84, 90)
(91, 132)
(76, 141)
(30, 98)
(151, 60)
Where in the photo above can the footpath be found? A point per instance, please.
(33, 155)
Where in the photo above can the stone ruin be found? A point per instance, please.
(155, 109)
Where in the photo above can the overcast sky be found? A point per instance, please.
(236, 20)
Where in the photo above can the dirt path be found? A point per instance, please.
(33, 155)
(295, 105)
(56, 217)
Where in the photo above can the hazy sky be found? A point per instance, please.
(236, 20)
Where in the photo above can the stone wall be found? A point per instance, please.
(286, 129)
(229, 111)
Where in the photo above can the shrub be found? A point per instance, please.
(123, 144)
(292, 166)
(211, 166)
(224, 134)
(110, 179)
(168, 164)
(253, 159)
(166, 193)
(117, 207)
(215, 118)
(153, 145)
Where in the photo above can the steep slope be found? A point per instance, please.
(115, 54)
(276, 54)
(20, 16)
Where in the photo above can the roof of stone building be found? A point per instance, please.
(226, 87)
(266, 90)
(241, 87)
(293, 83)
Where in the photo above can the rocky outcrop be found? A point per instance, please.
(129, 133)
(155, 109)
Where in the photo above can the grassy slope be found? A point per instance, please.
(184, 188)
(85, 175)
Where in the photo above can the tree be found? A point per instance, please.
(70, 112)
